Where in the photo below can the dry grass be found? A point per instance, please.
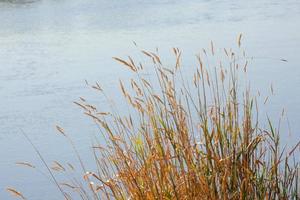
(185, 138)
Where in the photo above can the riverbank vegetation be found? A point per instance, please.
(186, 136)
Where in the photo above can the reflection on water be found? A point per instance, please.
(15, 1)
(18, 1)
(49, 47)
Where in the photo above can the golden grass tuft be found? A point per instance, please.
(186, 138)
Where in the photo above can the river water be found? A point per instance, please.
(48, 48)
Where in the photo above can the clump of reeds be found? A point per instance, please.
(187, 138)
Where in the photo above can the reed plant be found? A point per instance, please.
(196, 136)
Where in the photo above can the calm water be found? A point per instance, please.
(49, 47)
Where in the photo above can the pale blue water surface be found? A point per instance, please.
(49, 47)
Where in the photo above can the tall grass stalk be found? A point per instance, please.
(187, 138)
